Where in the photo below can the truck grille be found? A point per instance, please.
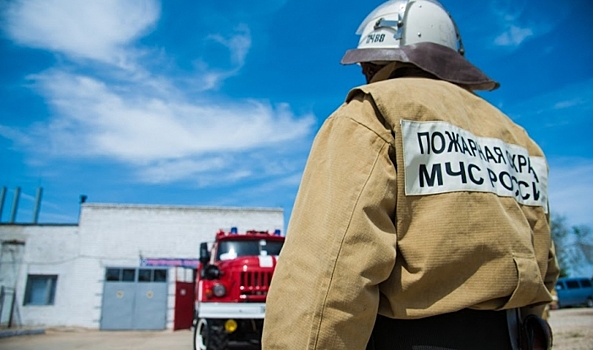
(254, 285)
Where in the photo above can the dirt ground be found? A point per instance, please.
(80, 339)
(573, 330)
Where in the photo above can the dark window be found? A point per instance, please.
(113, 275)
(228, 250)
(128, 275)
(273, 247)
(572, 284)
(586, 283)
(232, 249)
(145, 275)
(160, 275)
(40, 290)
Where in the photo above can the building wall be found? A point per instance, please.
(113, 236)
(52, 250)
(129, 232)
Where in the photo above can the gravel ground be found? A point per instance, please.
(572, 328)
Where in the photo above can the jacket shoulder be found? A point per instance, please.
(412, 88)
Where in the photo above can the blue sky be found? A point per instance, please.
(216, 103)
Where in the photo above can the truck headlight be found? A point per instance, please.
(219, 290)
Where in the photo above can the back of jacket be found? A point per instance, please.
(419, 198)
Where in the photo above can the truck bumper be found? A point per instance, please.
(232, 310)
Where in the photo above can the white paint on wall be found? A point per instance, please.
(112, 235)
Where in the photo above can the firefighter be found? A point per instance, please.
(422, 217)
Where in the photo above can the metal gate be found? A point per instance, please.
(134, 299)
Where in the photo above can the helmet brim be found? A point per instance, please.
(439, 60)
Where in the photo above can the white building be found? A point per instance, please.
(120, 267)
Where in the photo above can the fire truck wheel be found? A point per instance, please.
(201, 335)
(210, 335)
(218, 338)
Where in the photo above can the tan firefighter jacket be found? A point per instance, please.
(419, 198)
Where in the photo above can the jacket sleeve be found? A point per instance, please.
(341, 240)
(549, 280)
(545, 251)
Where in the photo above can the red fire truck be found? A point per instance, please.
(231, 287)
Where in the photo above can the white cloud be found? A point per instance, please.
(167, 138)
(167, 171)
(518, 21)
(571, 190)
(567, 103)
(14, 134)
(513, 36)
(225, 168)
(92, 29)
(135, 116)
(238, 45)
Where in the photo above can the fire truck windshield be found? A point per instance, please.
(228, 250)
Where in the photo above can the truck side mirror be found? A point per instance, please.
(204, 253)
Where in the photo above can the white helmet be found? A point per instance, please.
(420, 32)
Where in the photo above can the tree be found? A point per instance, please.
(574, 246)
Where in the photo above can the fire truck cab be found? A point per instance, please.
(232, 285)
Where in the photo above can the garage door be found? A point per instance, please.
(134, 299)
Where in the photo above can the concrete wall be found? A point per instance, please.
(113, 236)
(128, 232)
(52, 250)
